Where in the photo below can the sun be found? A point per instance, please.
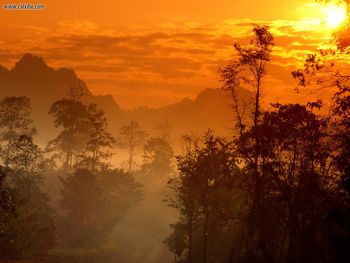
(335, 15)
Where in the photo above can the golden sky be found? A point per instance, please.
(155, 52)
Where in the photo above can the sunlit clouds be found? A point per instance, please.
(159, 63)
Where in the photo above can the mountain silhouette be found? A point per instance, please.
(33, 78)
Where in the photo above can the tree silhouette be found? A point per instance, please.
(321, 72)
(73, 117)
(197, 188)
(7, 205)
(297, 172)
(27, 224)
(81, 197)
(248, 71)
(131, 137)
(14, 121)
(85, 140)
(158, 155)
(176, 242)
(25, 156)
(94, 203)
(100, 140)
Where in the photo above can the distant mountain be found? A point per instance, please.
(33, 78)
(44, 85)
(209, 110)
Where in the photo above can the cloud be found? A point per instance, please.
(165, 61)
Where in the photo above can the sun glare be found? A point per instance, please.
(335, 15)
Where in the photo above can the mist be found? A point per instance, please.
(225, 177)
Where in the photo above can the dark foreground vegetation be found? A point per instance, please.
(61, 203)
(277, 192)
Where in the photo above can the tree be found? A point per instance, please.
(85, 140)
(25, 156)
(177, 240)
(7, 206)
(29, 226)
(31, 229)
(14, 121)
(120, 192)
(298, 177)
(73, 117)
(184, 200)
(81, 196)
(27, 220)
(321, 72)
(213, 162)
(248, 72)
(200, 182)
(94, 203)
(131, 137)
(190, 142)
(158, 155)
(100, 139)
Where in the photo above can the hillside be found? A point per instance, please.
(32, 77)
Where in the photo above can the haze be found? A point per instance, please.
(153, 53)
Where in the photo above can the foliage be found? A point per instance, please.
(14, 122)
(279, 191)
(321, 72)
(157, 159)
(247, 72)
(100, 139)
(27, 220)
(177, 241)
(84, 140)
(31, 229)
(204, 174)
(94, 203)
(73, 117)
(7, 206)
(131, 137)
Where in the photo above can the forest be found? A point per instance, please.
(278, 190)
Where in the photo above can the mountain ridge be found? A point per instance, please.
(32, 77)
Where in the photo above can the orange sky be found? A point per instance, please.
(155, 52)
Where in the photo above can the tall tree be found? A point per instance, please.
(176, 241)
(94, 203)
(201, 179)
(185, 198)
(85, 140)
(298, 174)
(7, 205)
(100, 140)
(81, 196)
(29, 227)
(73, 117)
(157, 158)
(321, 72)
(131, 137)
(248, 71)
(14, 121)
(26, 157)
(120, 192)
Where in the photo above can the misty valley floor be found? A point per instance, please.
(138, 237)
